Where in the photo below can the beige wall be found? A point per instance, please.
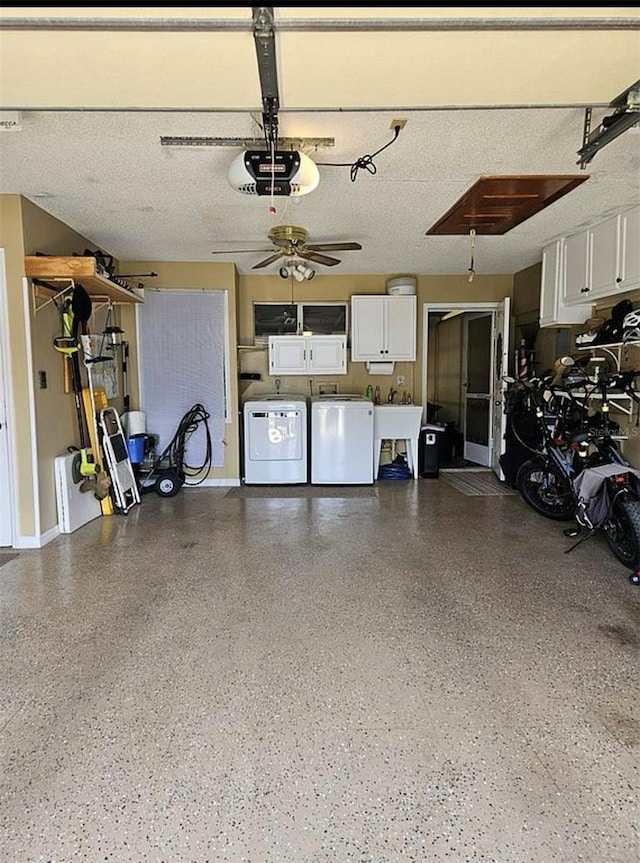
(336, 287)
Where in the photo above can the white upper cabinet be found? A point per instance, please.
(554, 311)
(307, 355)
(577, 268)
(597, 263)
(383, 327)
(630, 250)
(604, 259)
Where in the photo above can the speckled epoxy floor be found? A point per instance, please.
(415, 676)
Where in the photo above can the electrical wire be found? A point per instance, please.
(364, 163)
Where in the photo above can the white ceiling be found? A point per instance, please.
(477, 101)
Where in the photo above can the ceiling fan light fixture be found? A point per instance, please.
(302, 273)
(285, 272)
(286, 173)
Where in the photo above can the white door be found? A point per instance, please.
(477, 384)
(500, 355)
(6, 514)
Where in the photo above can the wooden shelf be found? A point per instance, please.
(53, 271)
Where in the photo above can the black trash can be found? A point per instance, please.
(429, 451)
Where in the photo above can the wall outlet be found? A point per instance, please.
(400, 380)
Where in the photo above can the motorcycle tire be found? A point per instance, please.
(544, 488)
(622, 531)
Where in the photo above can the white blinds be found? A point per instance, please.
(181, 360)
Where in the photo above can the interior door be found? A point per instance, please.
(477, 415)
(500, 355)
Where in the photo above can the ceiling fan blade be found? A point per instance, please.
(336, 247)
(309, 255)
(238, 251)
(269, 260)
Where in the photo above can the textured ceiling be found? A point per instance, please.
(98, 164)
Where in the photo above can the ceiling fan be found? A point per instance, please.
(291, 242)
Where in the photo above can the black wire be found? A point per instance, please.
(364, 163)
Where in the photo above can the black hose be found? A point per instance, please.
(195, 417)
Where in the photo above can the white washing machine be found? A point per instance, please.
(341, 440)
(275, 440)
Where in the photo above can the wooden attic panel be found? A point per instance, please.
(494, 205)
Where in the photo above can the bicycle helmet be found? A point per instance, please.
(631, 327)
(610, 333)
(586, 338)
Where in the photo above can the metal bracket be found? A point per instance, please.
(264, 37)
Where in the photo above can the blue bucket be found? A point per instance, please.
(135, 447)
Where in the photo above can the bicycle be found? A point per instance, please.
(578, 471)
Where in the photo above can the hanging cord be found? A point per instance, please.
(472, 249)
(364, 163)
(195, 417)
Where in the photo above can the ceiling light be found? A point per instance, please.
(300, 273)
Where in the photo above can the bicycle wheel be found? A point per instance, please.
(546, 490)
(622, 531)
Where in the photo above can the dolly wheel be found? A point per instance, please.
(168, 484)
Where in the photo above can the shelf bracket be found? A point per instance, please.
(39, 283)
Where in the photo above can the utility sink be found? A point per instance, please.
(397, 422)
(400, 422)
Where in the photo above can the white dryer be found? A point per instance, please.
(275, 440)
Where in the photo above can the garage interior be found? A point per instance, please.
(393, 671)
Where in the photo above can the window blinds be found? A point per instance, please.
(181, 361)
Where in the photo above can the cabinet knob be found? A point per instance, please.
(618, 279)
(584, 290)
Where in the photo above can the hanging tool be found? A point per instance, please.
(73, 312)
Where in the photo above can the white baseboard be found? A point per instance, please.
(37, 541)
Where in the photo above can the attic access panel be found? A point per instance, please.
(495, 205)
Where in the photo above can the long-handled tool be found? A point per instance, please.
(68, 344)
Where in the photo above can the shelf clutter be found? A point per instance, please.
(60, 273)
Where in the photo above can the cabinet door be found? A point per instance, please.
(553, 311)
(550, 287)
(401, 328)
(327, 355)
(630, 250)
(367, 328)
(577, 267)
(605, 259)
(287, 355)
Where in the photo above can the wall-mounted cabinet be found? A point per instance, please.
(554, 311)
(307, 355)
(59, 272)
(595, 264)
(603, 260)
(383, 328)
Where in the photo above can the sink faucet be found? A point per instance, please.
(391, 396)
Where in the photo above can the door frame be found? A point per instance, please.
(497, 446)
(8, 509)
